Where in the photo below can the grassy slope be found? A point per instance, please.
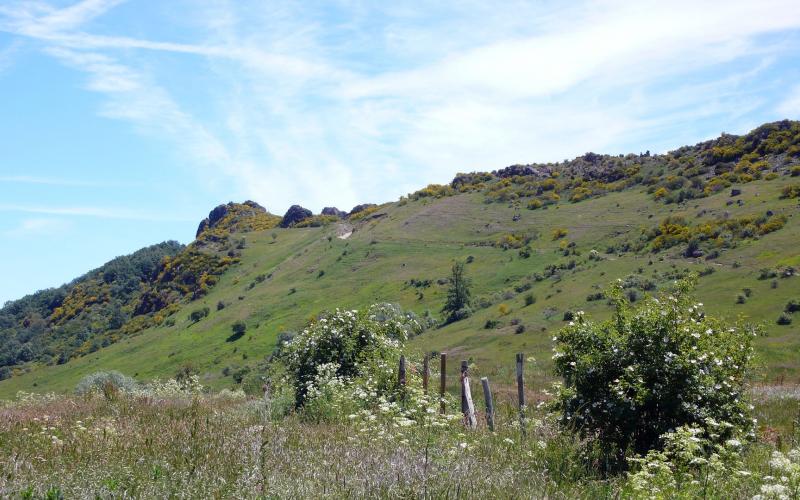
(420, 240)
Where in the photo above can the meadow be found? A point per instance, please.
(190, 444)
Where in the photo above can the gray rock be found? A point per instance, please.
(295, 214)
(334, 211)
(361, 208)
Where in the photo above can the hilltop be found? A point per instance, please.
(540, 242)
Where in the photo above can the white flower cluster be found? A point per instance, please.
(171, 388)
(785, 482)
(688, 462)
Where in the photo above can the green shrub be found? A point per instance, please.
(559, 233)
(199, 314)
(238, 329)
(784, 319)
(530, 299)
(106, 382)
(344, 345)
(491, 324)
(792, 306)
(651, 369)
(792, 191)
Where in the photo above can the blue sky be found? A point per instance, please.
(125, 122)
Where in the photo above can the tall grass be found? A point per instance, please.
(225, 446)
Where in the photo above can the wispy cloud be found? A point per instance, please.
(53, 181)
(368, 102)
(38, 226)
(100, 212)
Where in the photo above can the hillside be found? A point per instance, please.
(540, 241)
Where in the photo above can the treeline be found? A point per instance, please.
(53, 325)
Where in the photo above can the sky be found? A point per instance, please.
(125, 122)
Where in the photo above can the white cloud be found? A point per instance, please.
(54, 181)
(387, 99)
(88, 211)
(38, 226)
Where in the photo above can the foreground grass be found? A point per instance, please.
(226, 446)
(210, 447)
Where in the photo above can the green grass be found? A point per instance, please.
(420, 239)
(224, 446)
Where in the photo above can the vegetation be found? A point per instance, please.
(361, 431)
(270, 277)
(649, 370)
(457, 306)
(52, 326)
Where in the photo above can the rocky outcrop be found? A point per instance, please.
(361, 208)
(242, 210)
(295, 214)
(334, 211)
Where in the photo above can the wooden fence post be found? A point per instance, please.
(443, 381)
(426, 372)
(521, 390)
(467, 408)
(401, 372)
(487, 396)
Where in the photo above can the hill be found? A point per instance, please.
(540, 241)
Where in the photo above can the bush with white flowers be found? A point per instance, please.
(651, 369)
(347, 344)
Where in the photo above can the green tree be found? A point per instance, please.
(458, 295)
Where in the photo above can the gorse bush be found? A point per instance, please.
(651, 369)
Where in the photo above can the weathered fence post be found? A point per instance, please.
(443, 380)
(265, 389)
(487, 396)
(521, 390)
(267, 400)
(426, 372)
(401, 372)
(467, 408)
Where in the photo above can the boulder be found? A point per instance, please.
(295, 214)
(361, 208)
(333, 211)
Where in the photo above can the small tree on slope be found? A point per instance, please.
(458, 295)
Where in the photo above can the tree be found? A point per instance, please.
(458, 295)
